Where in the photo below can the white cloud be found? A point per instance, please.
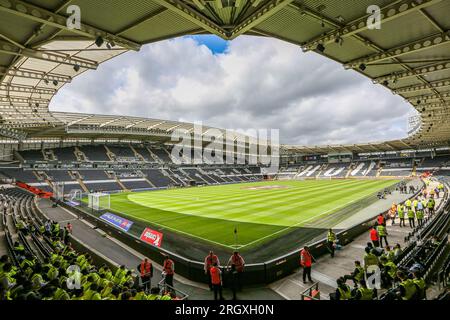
(256, 83)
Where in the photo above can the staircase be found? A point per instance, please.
(48, 155)
(77, 176)
(137, 154)
(110, 154)
(154, 156)
(81, 157)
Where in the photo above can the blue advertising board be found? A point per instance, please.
(117, 221)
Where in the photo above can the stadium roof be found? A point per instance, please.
(39, 52)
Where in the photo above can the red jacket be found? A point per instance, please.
(380, 220)
(305, 258)
(146, 269)
(215, 275)
(374, 235)
(168, 267)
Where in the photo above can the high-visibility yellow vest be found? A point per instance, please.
(366, 293)
(331, 237)
(344, 294)
(381, 230)
(410, 289)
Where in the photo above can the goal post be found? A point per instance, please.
(75, 195)
(58, 191)
(99, 201)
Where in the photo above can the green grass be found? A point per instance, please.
(212, 213)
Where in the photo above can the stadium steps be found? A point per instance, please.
(37, 175)
(154, 156)
(81, 157)
(137, 154)
(121, 184)
(82, 185)
(168, 175)
(109, 153)
(49, 155)
(149, 182)
(350, 170)
(18, 156)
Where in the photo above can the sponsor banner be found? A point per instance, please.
(152, 237)
(117, 221)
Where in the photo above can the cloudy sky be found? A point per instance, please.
(249, 83)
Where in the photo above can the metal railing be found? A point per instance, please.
(311, 293)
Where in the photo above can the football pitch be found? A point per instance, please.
(258, 211)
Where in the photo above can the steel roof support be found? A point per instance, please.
(436, 67)
(21, 73)
(193, 16)
(388, 13)
(265, 11)
(419, 45)
(27, 89)
(10, 49)
(38, 14)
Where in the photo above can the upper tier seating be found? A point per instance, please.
(59, 175)
(26, 176)
(122, 152)
(95, 153)
(65, 154)
(93, 175)
(162, 154)
(145, 154)
(32, 155)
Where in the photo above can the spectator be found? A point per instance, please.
(356, 275)
(342, 292)
(363, 292)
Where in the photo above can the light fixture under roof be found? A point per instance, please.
(99, 41)
(320, 47)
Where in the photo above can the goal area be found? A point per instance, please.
(99, 201)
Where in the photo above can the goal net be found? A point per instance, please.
(75, 195)
(99, 201)
(323, 178)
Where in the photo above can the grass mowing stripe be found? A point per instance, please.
(290, 207)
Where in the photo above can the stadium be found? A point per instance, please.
(86, 197)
